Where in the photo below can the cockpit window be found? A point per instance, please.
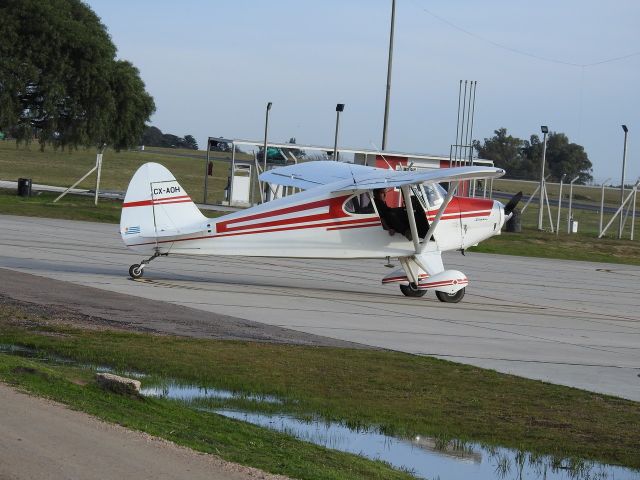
(359, 204)
(435, 193)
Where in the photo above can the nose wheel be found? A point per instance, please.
(450, 298)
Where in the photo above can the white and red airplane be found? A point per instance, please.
(339, 214)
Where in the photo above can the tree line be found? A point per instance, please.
(154, 137)
(60, 81)
(521, 158)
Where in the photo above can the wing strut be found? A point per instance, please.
(436, 220)
(406, 193)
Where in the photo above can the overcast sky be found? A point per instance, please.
(212, 67)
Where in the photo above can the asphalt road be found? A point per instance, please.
(571, 323)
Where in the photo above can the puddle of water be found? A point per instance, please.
(434, 458)
(423, 456)
(190, 393)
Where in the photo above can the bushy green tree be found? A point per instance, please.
(59, 80)
(521, 158)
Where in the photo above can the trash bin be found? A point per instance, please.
(574, 226)
(514, 224)
(24, 187)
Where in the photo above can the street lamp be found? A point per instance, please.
(545, 130)
(389, 64)
(339, 108)
(624, 159)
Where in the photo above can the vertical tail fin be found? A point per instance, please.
(156, 205)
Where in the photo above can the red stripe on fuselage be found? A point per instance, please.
(335, 211)
(284, 229)
(161, 201)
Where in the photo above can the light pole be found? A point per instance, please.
(570, 217)
(389, 64)
(624, 159)
(339, 108)
(559, 204)
(602, 203)
(545, 130)
(264, 149)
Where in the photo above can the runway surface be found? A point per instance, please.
(571, 323)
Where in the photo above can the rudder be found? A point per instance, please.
(156, 205)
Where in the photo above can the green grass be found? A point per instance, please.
(63, 168)
(400, 393)
(532, 243)
(70, 207)
(232, 440)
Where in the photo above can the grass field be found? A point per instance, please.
(64, 168)
(400, 393)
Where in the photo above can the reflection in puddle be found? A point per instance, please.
(423, 456)
(436, 458)
(189, 393)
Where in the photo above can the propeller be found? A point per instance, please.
(509, 207)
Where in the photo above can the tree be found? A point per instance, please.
(59, 80)
(562, 157)
(505, 151)
(153, 137)
(190, 142)
(521, 158)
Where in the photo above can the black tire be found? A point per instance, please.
(454, 298)
(135, 271)
(411, 290)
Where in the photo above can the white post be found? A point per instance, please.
(559, 204)
(99, 167)
(546, 197)
(570, 217)
(602, 203)
(619, 211)
(633, 215)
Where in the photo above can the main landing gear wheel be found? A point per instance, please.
(411, 290)
(135, 270)
(450, 298)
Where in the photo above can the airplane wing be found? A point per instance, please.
(313, 174)
(381, 178)
(350, 177)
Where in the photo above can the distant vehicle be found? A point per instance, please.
(340, 214)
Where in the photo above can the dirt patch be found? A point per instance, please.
(36, 302)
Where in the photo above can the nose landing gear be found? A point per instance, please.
(450, 298)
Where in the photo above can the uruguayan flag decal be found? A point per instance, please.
(132, 230)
